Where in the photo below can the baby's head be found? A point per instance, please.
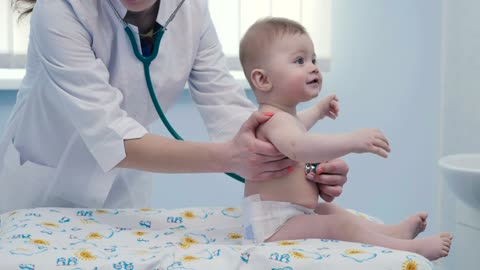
(278, 54)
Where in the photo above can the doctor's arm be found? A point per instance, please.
(239, 155)
(81, 88)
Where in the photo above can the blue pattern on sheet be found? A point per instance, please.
(187, 239)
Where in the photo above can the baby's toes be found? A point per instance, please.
(444, 253)
(446, 235)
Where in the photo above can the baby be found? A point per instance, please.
(278, 60)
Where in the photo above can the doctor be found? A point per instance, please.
(78, 134)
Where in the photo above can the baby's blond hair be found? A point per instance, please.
(259, 37)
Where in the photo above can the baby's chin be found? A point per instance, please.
(316, 92)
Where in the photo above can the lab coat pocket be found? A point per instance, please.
(23, 185)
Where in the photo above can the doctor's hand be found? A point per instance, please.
(255, 159)
(330, 178)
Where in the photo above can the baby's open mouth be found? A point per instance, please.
(313, 81)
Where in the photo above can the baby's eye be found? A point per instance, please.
(299, 60)
(314, 61)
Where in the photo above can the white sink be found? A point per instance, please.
(462, 173)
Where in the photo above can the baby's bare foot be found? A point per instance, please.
(411, 226)
(433, 247)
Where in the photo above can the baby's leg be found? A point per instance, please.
(407, 229)
(345, 228)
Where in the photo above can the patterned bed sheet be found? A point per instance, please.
(188, 239)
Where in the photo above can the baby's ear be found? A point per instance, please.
(260, 80)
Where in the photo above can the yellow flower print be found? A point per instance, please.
(354, 251)
(49, 224)
(139, 233)
(13, 213)
(189, 258)
(287, 243)
(230, 209)
(189, 240)
(85, 255)
(94, 235)
(101, 211)
(409, 265)
(87, 221)
(189, 214)
(297, 254)
(234, 236)
(39, 242)
(184, 245)
(145, 209)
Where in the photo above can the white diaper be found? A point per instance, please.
(261, 219)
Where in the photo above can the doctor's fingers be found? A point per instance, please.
(278, 165)
(278, 168)
(268, 175)
(262, 148)
(329, 179)
(326, 197)
(269, 158)
(256, 119)
(335, 167)
(330, 191)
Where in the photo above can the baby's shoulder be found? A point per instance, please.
(279, 121)
(283, 116)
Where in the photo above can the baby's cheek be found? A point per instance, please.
(297, 81)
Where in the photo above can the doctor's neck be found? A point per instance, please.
(144, 19)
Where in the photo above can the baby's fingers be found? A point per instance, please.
(334, 109)
(332, 115)
(334, 105)
(382, 137)
(381, 144)
(379, 151)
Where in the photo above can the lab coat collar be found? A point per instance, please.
(165, 10)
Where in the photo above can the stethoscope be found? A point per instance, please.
(147, 60)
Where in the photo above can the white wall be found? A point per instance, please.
(461, 85)
(460, 121)
(386, 72)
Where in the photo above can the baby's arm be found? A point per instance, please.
(288, 135)
(327, 106)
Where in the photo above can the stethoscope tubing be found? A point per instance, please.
(146, 61)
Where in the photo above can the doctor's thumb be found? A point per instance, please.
(257, 118)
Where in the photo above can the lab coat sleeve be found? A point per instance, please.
(221, 100)
(80, 82)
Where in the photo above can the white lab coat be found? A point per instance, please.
(84, 93)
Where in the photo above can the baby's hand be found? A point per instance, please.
(370, 140)
(329, 107)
